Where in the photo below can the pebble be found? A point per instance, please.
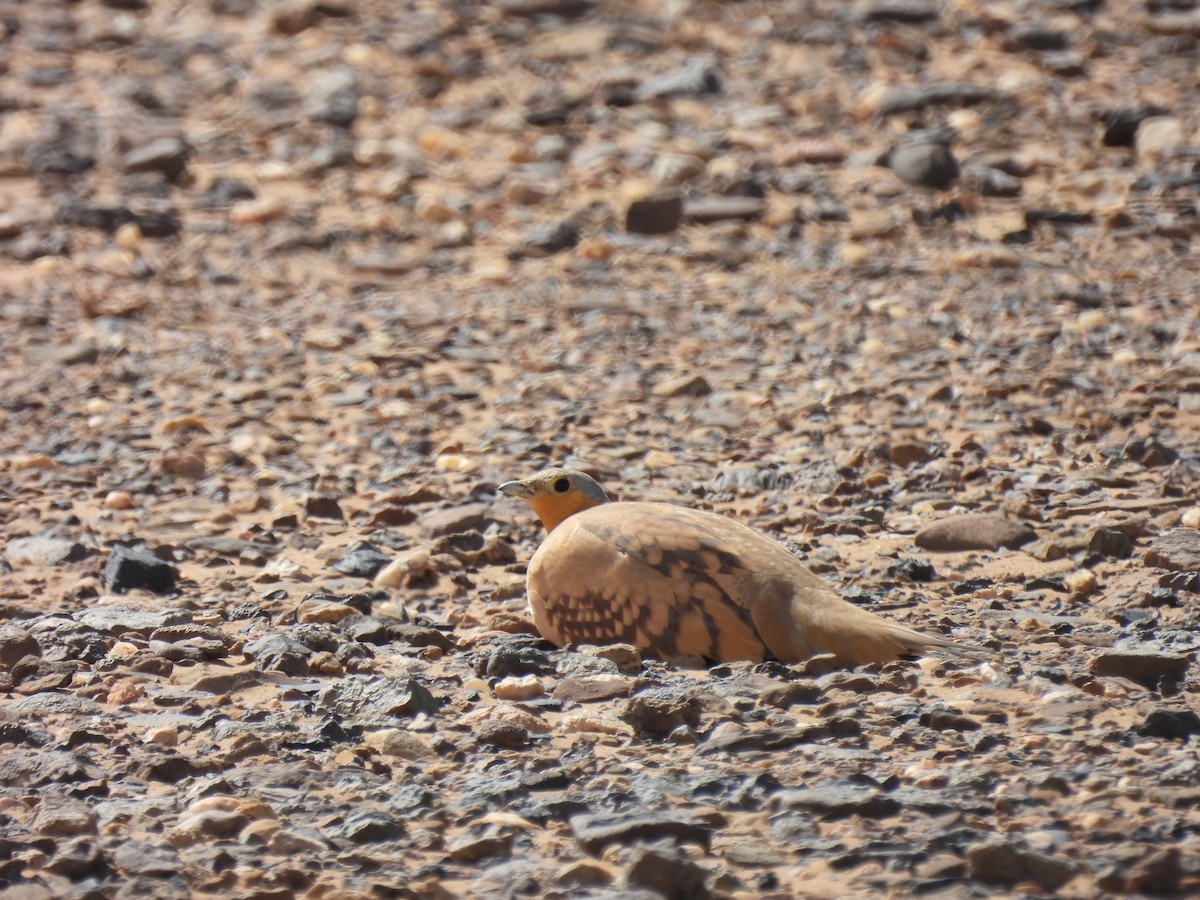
(927, 164)
(659, 212)
(1157, 137)
(1081, 582)
(401, 744)
(15, 644)
(519, 687)
(118, 500)
(596, 831)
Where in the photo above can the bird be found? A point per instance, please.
(678, 582)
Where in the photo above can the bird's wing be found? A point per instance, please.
(652, 575)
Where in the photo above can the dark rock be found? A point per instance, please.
(594, 832)
(836, 800)
(928, 164)
(992, 182)
(366, 828)
(706, 210)
(668, 871)
(660, 212)
(503, 734)
(475, 549)
(15, 644)
(949, 720)
(1111, 543)
(547, 239)
(1145, 667)
(693, 80)
(279, 653)
(376, 701)
(509, 659)
(136, 567)
(44, 551)
(973, 531)
(657, 711)
(321, 506)
(1170, 723)
(919, 570)
(1008, 862)
(119, 620)
(1178, 550)
(913, 12)
(361, 560)
(168, 155)
(1121, 126)
(1035, 36)
(77, 859)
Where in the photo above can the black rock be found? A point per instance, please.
(1170, 723)
(362, 560)
(660, 212)
(546, 240)
(508, 659)
(136, 567)
(1007, 862)
(929, 164)
(1145, 667)
(657, 711)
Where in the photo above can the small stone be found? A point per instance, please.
(168, 155)
(591, 690)
(58, 816)
(909, 454)
(15, 644)
(183, 464)
(320, 506)
(683, 386)
(324, 611)
(668, 871)
(929, 164)
(1156, 875)
(401, 744)
(168, 737)
(973, 531)
(118, 500)
(1144, 667)
(1081, 582)
(200, 827)
(785, 696)
(1008, 862)
(407, 570)
(129, 568)
(657, 711)
(695, 80)
(660, 212)
(594, 832)
(1178, 550)
(522, 687)
(119, 620)
(43, 551)
(457, 519)
(1035, 36)
(706, 210)
(547, 239)
(1157, 138)
(1170, 723)
(838, 800)
(34, 463)
(503, 734)
(1110, 542)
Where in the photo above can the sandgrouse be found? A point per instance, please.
(678, 582)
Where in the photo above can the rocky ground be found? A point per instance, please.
(289, 288)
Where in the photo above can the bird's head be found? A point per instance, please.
(555, 494)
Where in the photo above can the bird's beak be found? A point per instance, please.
(516, 489)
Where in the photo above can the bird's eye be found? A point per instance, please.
(561, 485)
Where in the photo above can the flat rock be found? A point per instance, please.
(15, 644)
(594, 832)
(43, 551)
(457, 519)
(118, 620)
(973, 531)
(1143, 666)
(1009, 862)
(838, 801)
(1178, 550)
